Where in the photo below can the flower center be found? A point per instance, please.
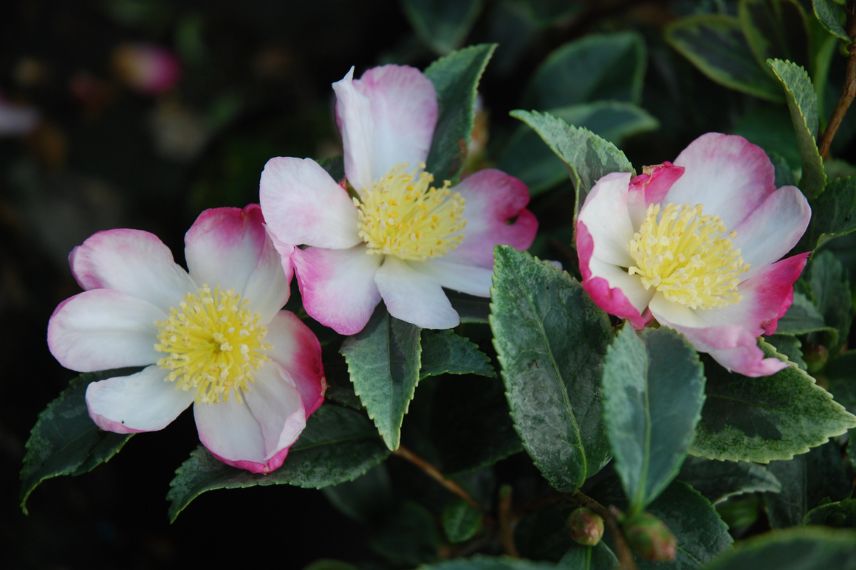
(403, 215)
(687, 256)
(214, 344)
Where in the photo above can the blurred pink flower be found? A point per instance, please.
(147, 68)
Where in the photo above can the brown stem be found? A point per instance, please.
(849, 91)
(435, 474)
(506, 523)
(625, 555)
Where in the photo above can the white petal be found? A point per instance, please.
(606, 215)
(414, 297)
(469, 279)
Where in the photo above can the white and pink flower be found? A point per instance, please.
(696, 245)
(399, 237)
(214, 337)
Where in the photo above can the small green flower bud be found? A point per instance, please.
(586, 526)
(649, 537)
(816, 357)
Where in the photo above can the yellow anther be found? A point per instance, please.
(687, 256)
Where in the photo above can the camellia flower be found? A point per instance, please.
(214, 337)
(695, 245)
(400, 236)
(147, 68)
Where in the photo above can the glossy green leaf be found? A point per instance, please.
(719, 480)
(456, 79)
(366, 499)
(787, 507)
(551, 365)
(802, 317)
(384, 362)
(444, 352)
(790, 346)
(487, 563)
(694, 521)
(717, 47)
(596, 67)
(840, 514)
(792, 549)
(832, 17)
(833, 214)
(775, 29)
(525, 157)
(337, 445)
(586, 155)
(460, 521)
(830, 289)
(579, 557)
(841, 377)
(408, 538)
(802, 105)
(653, 391)
(765, 419)
(442, 24)
(65, 441)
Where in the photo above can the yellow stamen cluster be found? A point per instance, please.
(214, 344)
(687, 256)
(403, 215)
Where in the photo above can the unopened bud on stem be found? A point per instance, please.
(649, 537)
(586, 526)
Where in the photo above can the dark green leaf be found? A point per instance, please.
(793, 549)
(540, 169)
(841, 514)
(442, 24)
(326, 564)
(461, 522)
(717, 47)
(693, 520)
(586, 156)
(337, 445)
(719, 480)
(765, 419)
(471, 309)
(653, 391)
(486, 563)
(596, 67)
(384, 362)
(551, 365)
(802, 104)
(579, 557)
(832, 17)
(366, 499)
(65, 441)
(830, 290)
(409, 536)
(802, 317)
(841, 378)
(787, 507)
(833, 214)
(790, 346)
(776, 28)
(444, 352)
(456, 78)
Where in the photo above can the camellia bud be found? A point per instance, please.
(649, 537)
(586, 526)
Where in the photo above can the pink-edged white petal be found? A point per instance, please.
(606, 216)
(297, 351)
(610, 287)
(651, 187)
(229, 248)
(337, 286)
(144, 401)
(103, 329)
(133, 262)
(495, 211)
(387, 117)
(773, 228)
(303, 205)
(414, 297)
(253, 431)
(469, 279)
(764, 298)
(726, 174)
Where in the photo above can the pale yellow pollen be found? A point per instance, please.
(687, 256)
(214, 344)
(404, 216)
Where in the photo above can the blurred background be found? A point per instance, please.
(141, 113)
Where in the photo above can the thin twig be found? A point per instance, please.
(849, 91)
(625, 555)
(506, 523)
(435, 474)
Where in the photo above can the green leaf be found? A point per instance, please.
(717, 47)
(366, 499)
(456, 78)
(540, 169)
(802, 104)
(787, 507)
(719, 480)
(841, 376)
(384, 362)
(700, 531)
(802, 317)
(408, 537)
(653, 391)
(337, 445)
(326, 564)
(586, 156)
(551, 365)
(831, 17)
(765, 419)
(830, 290)
(776, 29)
(790, 346)
(792, 549)
(442, 24)
(487, 563)
(471, 309)
(65, 441)
(841, 514)
(833, 214)
(444, 352)
(579, 557)
(596, 67)
(461, 522)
